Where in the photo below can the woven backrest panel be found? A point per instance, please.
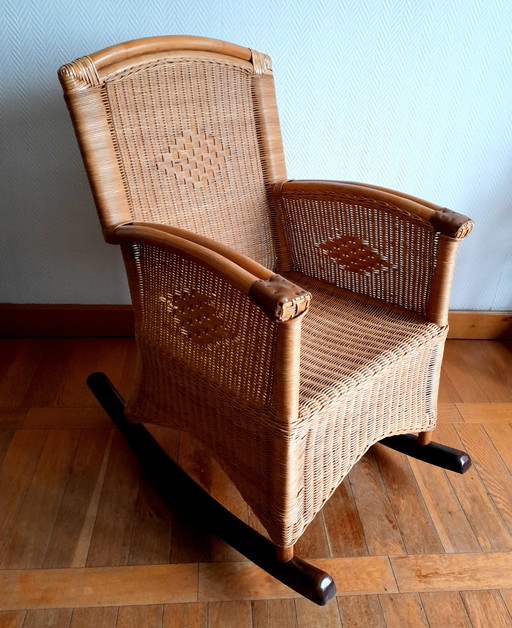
(363, 245)
(186, 136)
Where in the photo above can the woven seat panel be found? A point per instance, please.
(367, 372)
(187, 146)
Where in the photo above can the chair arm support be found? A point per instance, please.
(443, 220)
(375, 242)
(278, 298)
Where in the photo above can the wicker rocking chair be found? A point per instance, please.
(287, 325)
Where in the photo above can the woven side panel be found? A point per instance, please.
(363, 245)
(366, 373)
(188, 146)
(205, 365)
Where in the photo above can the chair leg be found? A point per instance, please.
(433, 453)
(424, 438)
(176, 487)
(284, 554)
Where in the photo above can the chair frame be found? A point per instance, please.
(278, 298)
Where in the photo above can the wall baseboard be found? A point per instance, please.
(117, 320)
(65, 320)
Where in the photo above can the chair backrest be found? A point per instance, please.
(182, 131)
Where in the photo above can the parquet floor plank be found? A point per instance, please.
(229, 615)
(279, 613)
(319, 616)
(38, 512)
(343, 525)
(191, 615)
(16, 473)
(486, 608)
(453, 572)
(490, 466)
(448, 516)
(48, 618)
(112, 533)
(101, 617)
(361, 611)
(445, 609)
(418, 533)
(404, 610)
(140, 616)
(379, 523)
(82, 480)
(481, 512)
(12, 619)
(19, 363)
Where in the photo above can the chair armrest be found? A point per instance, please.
(375, 242)
(278, 298)
(210, 322)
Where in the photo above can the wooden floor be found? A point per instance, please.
(86, 542)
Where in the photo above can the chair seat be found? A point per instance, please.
(347, 340)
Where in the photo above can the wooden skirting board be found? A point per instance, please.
(117, 320)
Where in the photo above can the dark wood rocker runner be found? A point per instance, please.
(177, 488)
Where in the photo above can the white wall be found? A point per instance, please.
(411, 94)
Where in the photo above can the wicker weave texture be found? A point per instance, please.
(206, 356)
(366, 372)
(362, 244)
(184, 132)
(186, 136)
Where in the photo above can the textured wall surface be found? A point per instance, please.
(410, 94)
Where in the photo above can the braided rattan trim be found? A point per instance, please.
(79, 74)
(451, 224)
(279, 298)
(262, 63)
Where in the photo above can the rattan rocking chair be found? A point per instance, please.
(287, 325)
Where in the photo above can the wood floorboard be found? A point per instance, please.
(86, 541)
(343, 525)
(404, 610)
(379, 523)
(418, 534)
(453, 572)
(100, 617)
(479, 508)
(273, 613)
(319, 616)
(38, 512)
(486, 608)
(111, 537)
(191, 615)
(485, 412)
(445, 609)
(491, 468)
(140, 616)
(12, 619)
(54, 617)
(229, 615)
(82, 480)
(92, 586)
(361, 611)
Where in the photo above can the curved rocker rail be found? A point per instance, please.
(434, 453)
(176, 486)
